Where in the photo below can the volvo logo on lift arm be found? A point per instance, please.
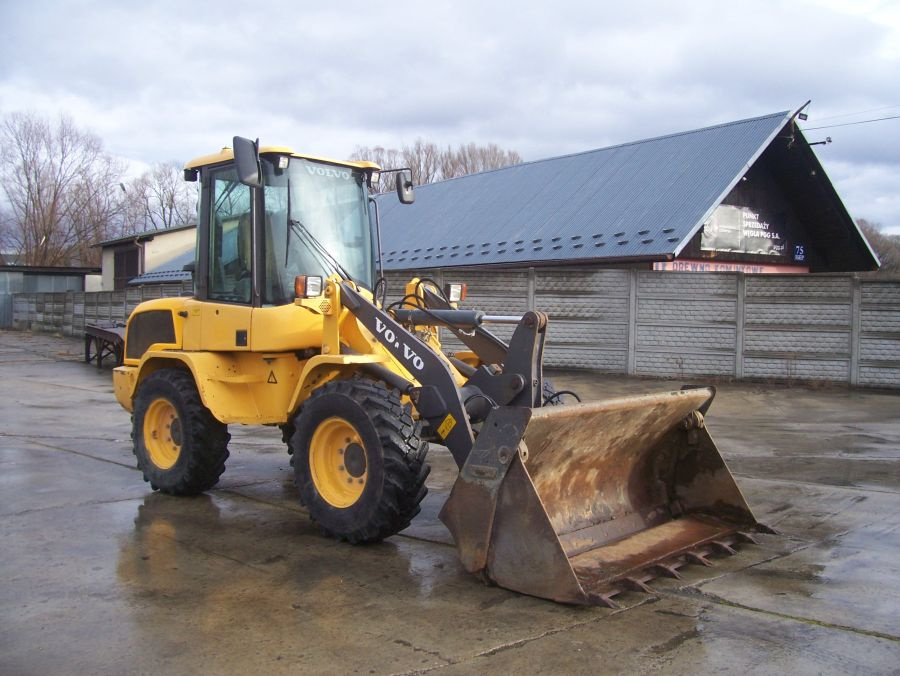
(409, 355)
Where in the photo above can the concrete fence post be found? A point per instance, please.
(855, 328)
(631, 357)
(529, 289)
(739, 317)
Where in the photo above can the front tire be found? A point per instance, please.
(180, 447)
(358, 460)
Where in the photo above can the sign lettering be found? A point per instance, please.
(328, 172)
(409, 355)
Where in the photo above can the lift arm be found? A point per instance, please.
(437, 399)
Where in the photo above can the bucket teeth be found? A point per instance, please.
(605, 600)
(634, 584)
(768, 530)
(723, 547)
(746, 537)
(694, 557)
(667, 570)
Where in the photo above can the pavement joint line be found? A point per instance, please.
(725, 573)
(690, 592)
(299, 509)
(818, 456)
(31, 437)
(229, 490)
(81, 453)
(32, 381)
(416, 538)
(90, 503)
(694, 592)
(512, 645)
(416, 649)
(212, 553)
(251, 498)
(794, 482)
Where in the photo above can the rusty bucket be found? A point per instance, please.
(578, 503)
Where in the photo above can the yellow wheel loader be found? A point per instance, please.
(288, 326)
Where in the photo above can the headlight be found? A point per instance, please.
(455, 292)
(307, 286)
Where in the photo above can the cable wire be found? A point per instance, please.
(858, 112)
(556, 395)
(850, 124)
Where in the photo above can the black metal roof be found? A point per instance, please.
(143, 236)
(50, 270)
(633, 202)
(636, 201)
(171, 271)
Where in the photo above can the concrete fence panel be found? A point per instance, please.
(68, 312)
(838, 327)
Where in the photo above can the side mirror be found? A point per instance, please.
(246, 158)
(405, 188)
(189, 267)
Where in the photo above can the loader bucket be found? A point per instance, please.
(578, 503)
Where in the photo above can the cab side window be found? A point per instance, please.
(230, 255)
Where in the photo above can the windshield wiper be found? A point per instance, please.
(331, 263)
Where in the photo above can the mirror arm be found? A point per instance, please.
(246, 159)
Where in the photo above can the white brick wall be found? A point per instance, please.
(816, 327)
(798, 314)
(829, 327)
(805, 342)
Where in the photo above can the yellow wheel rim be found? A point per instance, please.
(162, 433)
(337, 462)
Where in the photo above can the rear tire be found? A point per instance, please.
(180, 447)
(358, 460)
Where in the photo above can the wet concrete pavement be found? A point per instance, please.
(100, 575)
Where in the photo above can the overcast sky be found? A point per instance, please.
(164, 80)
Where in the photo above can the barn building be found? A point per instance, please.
(746, 196)
(610, 242)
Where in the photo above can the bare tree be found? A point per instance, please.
(886, 246)
(429, 163)
(472, 158)
(159, 198)
(386, 158)
(95, 211)
(424, 160)
(59, 186)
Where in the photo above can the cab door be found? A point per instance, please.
(225, 317)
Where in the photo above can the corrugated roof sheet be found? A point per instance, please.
(643, 200)
(172, 271)
(160, 277)
(143, 236)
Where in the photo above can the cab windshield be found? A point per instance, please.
(316, 223)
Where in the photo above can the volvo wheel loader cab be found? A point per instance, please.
(572, 503)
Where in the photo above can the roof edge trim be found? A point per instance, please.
(786, 119)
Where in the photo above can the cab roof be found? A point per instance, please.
(226, 154)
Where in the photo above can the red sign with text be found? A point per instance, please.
(688, 265)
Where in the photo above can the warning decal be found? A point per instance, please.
(447, 426)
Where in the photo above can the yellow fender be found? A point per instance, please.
(246, 388)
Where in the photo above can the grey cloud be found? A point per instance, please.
(174, 79)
